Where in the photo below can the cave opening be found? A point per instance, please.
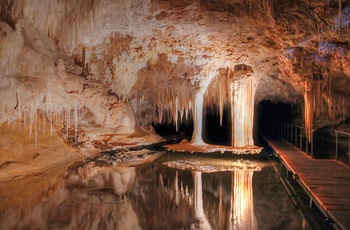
(213, 132)
(168, 130)
(267, 116)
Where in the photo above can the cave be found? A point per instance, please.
(213, 131)
(170, 132)
(268, 115)
(97, 96)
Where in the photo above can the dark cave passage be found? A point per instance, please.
(213, 133)
(267, 116)
(168, 131)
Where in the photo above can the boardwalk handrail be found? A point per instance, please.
(342, 132)
(336, 143)
(290, 132)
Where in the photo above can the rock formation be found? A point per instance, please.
(101, 72)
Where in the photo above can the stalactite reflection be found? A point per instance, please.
(198, 201)
(242, 207)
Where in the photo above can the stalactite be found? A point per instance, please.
(309, 108)
(327, 104)
(64, 19)
(172, 101)
(217, 92)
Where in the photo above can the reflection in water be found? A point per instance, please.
(88, 198)
(93, 195)
(198, 201)
(241, 212)
(102, 190)
(120, 179)
(242, 208)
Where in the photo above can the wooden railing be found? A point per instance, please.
(296, 135)
(339, 133)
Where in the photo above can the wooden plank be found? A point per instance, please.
(327, 181)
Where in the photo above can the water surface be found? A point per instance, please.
(175, 191)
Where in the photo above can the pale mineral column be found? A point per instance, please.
(198, 102)
(242, 111)
(198, 118)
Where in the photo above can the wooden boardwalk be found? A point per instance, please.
(326, 181)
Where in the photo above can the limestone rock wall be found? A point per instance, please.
(41, 88)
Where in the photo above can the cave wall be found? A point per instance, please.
(41, 88)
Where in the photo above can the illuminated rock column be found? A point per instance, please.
(242, 111)
(309, 108)
(198, 109)
(198, 201)
(198, 118)
(242, 208)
